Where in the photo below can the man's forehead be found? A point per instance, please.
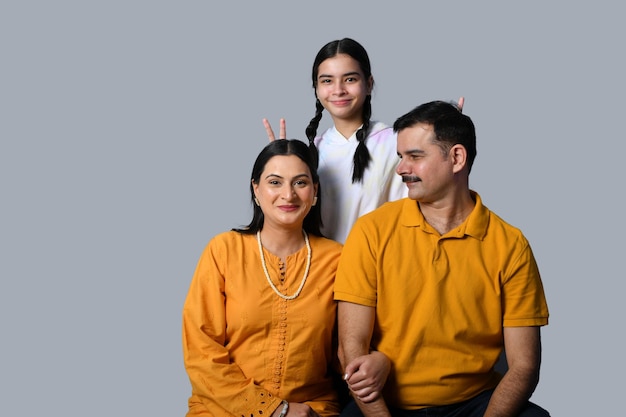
(418, 129)
(425, 126)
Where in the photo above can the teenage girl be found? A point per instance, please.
(357, 156)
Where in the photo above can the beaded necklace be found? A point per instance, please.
(267, 274)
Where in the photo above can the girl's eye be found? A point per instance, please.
(274, 182)
(300, 183)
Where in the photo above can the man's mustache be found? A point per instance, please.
(409, 178)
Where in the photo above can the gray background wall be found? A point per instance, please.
(128, 130)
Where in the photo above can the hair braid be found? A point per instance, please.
(362, 156)
(311, 131)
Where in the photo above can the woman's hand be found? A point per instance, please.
(270, 131)
(367, 374)
(296, 410)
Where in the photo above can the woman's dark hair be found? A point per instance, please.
(313, 220)
(358, 53)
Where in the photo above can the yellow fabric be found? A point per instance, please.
(441, 301)
(245, 349)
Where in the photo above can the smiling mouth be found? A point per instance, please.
(408, 178)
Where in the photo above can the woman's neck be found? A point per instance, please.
(282, 242)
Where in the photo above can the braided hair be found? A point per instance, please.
(356, 51)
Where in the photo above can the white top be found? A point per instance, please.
(342, 201)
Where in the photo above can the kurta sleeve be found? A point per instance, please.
(215, 379)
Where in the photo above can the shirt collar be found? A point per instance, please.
(475, 225)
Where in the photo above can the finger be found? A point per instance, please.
(351, 368)
(283, 129)
(461, 103)
(268, 129)
(369, 397)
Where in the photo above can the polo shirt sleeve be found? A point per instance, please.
(524, 301)
(356, 279)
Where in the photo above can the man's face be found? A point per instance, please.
(425, 168)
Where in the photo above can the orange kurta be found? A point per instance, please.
(245, 348)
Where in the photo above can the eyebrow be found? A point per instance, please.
(281, 177)
(343, 75)
(412, 152)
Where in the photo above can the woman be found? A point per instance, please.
(259, 318)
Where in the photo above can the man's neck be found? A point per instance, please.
(444, 216)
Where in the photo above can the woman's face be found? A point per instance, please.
(285, 192)
(341, 87)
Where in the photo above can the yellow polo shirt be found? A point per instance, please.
(441, 301)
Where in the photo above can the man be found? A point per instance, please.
(440, 285)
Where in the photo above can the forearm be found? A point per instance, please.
(355, 331)
(523, 351)
(377, 408)
(512, 393)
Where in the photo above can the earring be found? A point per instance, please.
(256, 201)
(314, 201)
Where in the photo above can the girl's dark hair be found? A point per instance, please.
(313, 220)
(358, 53)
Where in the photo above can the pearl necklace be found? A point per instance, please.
(267, 274)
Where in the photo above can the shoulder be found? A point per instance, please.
(326, 135)
(384, 216)
(230, 240)
(325, 244)
(382, 135)
(386, 209)
(501, 230)
(380, 129)
(501, 226)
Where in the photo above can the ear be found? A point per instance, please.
(458, 153)
(315, 187)
(370, 84)
(255, 188)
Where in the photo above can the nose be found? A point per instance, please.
(288, 192)
(339, 88)
(401, 167)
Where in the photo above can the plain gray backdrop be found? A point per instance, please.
(128, 131)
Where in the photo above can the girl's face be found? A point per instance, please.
(285, 192)
(341, 87)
